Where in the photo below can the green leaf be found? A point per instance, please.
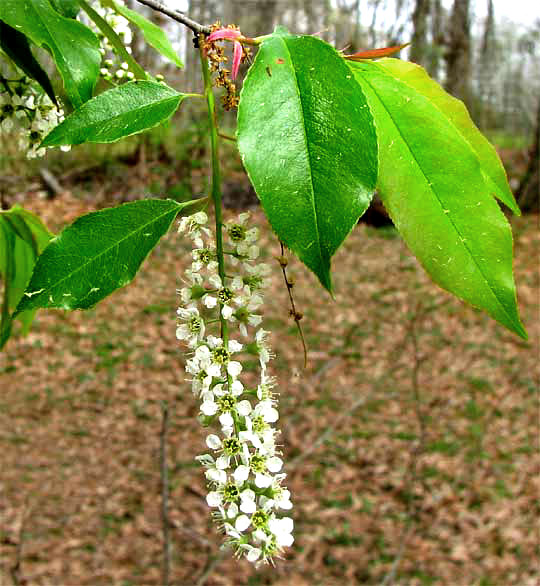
(97, 254)
(116, 113)
(308, 143)
(27, 237)
(456, 112)
(74, 47)
(67, 8)
(23, 236)
(17, 48)
(152, 34)
(432, 186)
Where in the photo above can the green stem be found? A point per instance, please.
(216, 177)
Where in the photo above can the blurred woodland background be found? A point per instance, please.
(411, 439)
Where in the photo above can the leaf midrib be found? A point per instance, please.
(138, 110)
(461, 239)
(103, 252)
(312, 199)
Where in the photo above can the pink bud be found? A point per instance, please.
(224, 33)
(237, 57)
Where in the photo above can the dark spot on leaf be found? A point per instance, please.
(280, 61)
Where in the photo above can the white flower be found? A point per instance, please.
(244, 474)
(267, 411)
(193, 329)
(282, 529)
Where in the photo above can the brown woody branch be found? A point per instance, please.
(197, 28)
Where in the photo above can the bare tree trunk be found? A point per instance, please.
(528, 192)
(437, 39)
(487, 66)
(458, 55)
(419, 38)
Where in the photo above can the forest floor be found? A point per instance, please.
(410, 441)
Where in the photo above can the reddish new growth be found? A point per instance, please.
(216, 57)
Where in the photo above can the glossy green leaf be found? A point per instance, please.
(152, 33)
(97, 254)
(30, 237)
(67, 8)
(17, 48)
(308, 143)
(456, 112)
(117, 113)
(433, 188)
(74, 47)
(22, 238)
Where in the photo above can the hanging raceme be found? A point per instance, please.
(243, 468)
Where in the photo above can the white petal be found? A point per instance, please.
(213, 370)
(248, 507)
(285, 504)
(248, 495)
(234, 368)
(242, 523)
(235, 346)
(237, 388)
(226, 420)
(262, 480)
(227, 311)
(284, 540)
(271, 415)
(209, 408)
(209, 301)
(218, 476)
(287, 525)
(241, 474)
(222, 463)
(244, 407)
(274, 464)
(214, 499)
(200, 218)
(232, 511)
(213, 442)
(214, 341)
(253, 554)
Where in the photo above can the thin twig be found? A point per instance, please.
(327, 433)
(227, 136)
(417, 450)
(210, 567)
(197, 28)
(297, 316)
(15, 569)
(165, 493)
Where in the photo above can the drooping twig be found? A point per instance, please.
(164, 471)
(197, 28)
(417, 450)
(212, 564)
(296, 315)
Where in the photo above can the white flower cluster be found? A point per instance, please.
(243, 468)
(112, 69)
(29, 113)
